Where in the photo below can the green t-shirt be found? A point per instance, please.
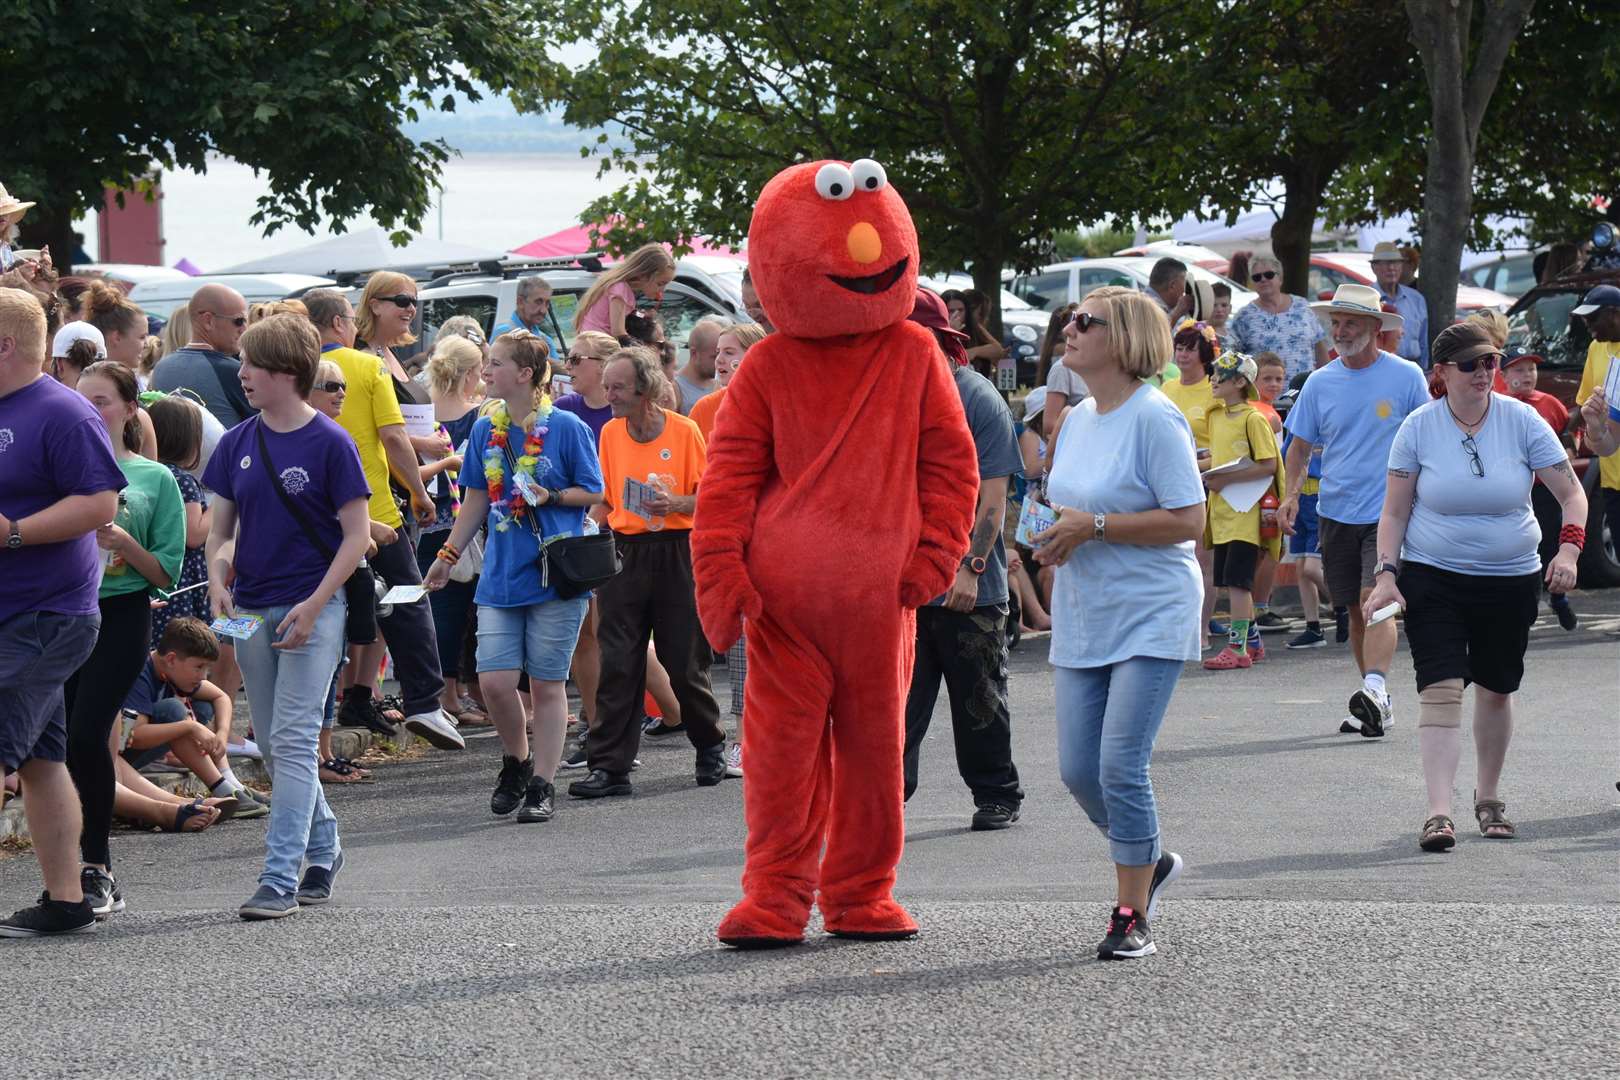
(155, 515)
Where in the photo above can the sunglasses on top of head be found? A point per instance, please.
(1474, 363)
(400, 301)
(1085, 320)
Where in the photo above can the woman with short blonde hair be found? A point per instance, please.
(1278, 322)
(1127, 594)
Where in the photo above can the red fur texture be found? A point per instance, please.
(838, 497)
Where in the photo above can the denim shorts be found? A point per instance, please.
(1306, 541)
(38, 650)
(538, 639)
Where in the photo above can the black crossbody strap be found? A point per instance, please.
(287, 500)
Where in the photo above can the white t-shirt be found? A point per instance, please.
(1112, 602)
(1475, 524)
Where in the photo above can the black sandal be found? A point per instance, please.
(183, 814)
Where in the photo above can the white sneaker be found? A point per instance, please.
(1372, 710)
(246, 748)
(733, 759)
(437, 728)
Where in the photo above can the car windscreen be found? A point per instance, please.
(1546, 328)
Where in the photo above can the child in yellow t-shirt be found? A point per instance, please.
(1238, 432)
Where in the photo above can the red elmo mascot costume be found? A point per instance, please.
(837, 498)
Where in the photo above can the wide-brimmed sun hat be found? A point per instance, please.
(1356, 299)
(10, 206)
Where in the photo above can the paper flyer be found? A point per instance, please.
(403, 594)
(418, 419)
(1611, 389)
(1036, 518)
(240, 627)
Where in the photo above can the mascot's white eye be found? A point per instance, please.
(869, 175)
(833, 181)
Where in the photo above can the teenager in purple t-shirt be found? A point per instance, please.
(587, 357)
(59, 481)
(292, 479)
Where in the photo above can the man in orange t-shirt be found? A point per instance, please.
(651, 459)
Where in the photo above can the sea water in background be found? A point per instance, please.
(500, 200)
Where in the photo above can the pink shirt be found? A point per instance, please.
(599, 316)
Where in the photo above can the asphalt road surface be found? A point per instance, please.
(1309, 937)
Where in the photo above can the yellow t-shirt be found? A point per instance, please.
(1196, 402)
(369, 404)
(1235, 432)
(1599, 355)
(679, 451)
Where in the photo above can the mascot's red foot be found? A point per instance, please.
(752, 925)
(880, 920)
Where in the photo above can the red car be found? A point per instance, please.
(1330, 269)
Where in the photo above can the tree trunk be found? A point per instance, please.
(1291, 234)
(987, 279)
(1448, 203)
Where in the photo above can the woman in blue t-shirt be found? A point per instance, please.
(292, 479)
(1128, 592)
(1457, 514)
(531, 471)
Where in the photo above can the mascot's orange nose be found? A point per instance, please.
(864, 243)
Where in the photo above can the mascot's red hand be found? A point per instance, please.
(724, 597)
(924, 578)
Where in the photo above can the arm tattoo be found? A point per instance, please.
(1402, 473)
(984, 533)
(1563, 468)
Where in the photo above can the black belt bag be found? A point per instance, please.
(577, 564)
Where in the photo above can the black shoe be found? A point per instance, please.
(1269, 621)
(49, 918)
(539, 801)
(514, 779)
(1565, 613)
(1308, 639)
(653, 727)
(1128, 937)
(574, 756)
(1341, 625)
(1165, 873)
(599, 784)
(358, 712)
(711, 765)
(101, 892)
(994, 816)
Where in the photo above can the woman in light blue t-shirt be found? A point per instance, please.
(1457, 512)
(1127, 594)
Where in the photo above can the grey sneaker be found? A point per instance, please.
(316, 888)
(267, 903)
(49, 918)
(247, 806)
(1165, 873)
(101, 892)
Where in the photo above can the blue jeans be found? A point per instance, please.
(286, 691)
(1107, 719)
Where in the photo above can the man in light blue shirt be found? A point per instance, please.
(1352, 407)
(1388, 264)
(533, 313)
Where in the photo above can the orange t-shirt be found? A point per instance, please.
(679, 451)
(1264, 408)
(703, 413)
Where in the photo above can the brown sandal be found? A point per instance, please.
(1492, 817)
(1439, 834)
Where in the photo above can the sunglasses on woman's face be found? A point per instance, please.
(1487, 362)
(400, 301)
(575, 359)
(1085, 320)
(331, 387)
(1264, 275)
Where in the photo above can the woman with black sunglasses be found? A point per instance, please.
(1457, 512)
(1278, 322)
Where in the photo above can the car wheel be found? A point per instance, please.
(1600, 561)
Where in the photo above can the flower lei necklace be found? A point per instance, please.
(511, 507)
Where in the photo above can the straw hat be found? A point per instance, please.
(1353, 299)
(1387, 251)
(11, 207)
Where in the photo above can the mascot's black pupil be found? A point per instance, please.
(871, 182)
(838, 189)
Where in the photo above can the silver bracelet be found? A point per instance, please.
(1099, 523)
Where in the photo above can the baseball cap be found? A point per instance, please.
(1518, 354)
(78, 331)
(930, 311)
(1034, 403)
(1600, 296)
(1462, 341)
(1231, 364)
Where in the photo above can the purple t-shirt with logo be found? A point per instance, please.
(52, 445)
(597, 419)
(277, 565)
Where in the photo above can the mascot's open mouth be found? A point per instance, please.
(875, 283)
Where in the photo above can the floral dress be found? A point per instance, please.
(1291, 334)
(193, 570)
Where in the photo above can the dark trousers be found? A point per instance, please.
(94, 696)
(1550, 518)
(408, 630)
(450, 606)
(652, 595)
(969, 650)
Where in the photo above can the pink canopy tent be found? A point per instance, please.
(577, 240)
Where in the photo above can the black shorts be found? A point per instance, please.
(1235, 564)
(1349, 557)
(1473, 627)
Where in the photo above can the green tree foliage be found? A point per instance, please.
(98, 92)
(1002, 125)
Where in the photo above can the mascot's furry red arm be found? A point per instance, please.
(838, 497)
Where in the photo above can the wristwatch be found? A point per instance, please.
(1099, 523)
(974, 563)
(554, 495)
(14, 541)
(1387, 568)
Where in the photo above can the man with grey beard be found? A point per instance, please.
(1351, 408)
